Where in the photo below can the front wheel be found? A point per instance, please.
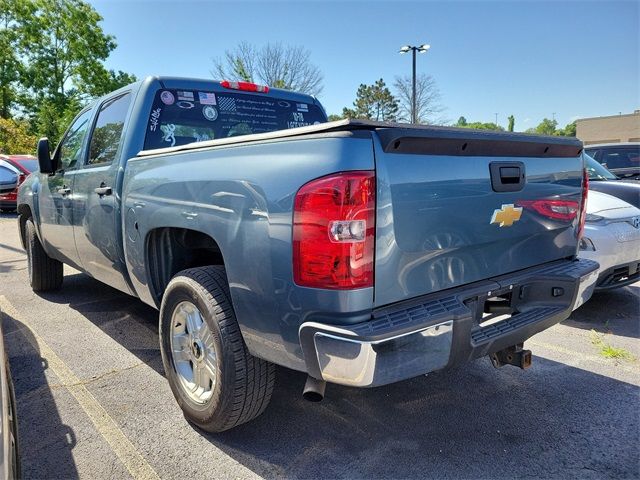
(215, 380)
(45, 273)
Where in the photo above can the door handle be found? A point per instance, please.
(103, 190)
(63, 190)
(507, 176)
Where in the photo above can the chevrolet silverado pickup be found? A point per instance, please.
(360, 253)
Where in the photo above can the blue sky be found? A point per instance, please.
(529, 59)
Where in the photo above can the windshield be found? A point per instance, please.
(179, 117)
(597, 171)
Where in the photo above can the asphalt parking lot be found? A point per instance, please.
(93, 401)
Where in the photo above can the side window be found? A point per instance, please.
(621, 157)
(70, 149)
(107, 133)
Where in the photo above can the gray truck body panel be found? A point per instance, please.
(434, 205)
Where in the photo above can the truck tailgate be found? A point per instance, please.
(444, 219)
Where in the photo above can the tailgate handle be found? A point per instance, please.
(507, 176)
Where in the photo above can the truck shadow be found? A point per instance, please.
(473, 422)
(127, 320)
(553, 421)
(46, 443)
(616, 311)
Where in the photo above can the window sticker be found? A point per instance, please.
(302, 107)
(298, 120)
(167, 97)
(202, 137)
(186, 96)
(227, 104)
(210, 113)
(168, 133)
(207, 98)
(155, 117)
(284, 104)
(184, 104)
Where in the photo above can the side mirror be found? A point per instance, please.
(44, 156)
(8, 181)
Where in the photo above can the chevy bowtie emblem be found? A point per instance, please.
(507, 215)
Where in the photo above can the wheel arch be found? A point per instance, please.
(24, 214)
(169, 250)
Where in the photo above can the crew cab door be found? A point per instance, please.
(96, 210)
(55, 200)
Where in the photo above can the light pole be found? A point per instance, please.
(421, 49)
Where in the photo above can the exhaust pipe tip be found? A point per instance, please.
(314, 389)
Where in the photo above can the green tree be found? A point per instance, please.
(15, 137)
(64, 48)
(334, 116)
(103, 81)
(373, 102)
(569, 130)
(462, 122)
(545, 127)
(512, 122)
(12, 15)
(348, 113)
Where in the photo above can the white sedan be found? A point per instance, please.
(612, 238)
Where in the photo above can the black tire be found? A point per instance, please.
(244, 383)
(45, 273)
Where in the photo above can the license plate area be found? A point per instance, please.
(496, 308)
(505, 310)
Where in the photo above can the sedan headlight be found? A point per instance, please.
(591, 218)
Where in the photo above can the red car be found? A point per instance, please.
(19, 166)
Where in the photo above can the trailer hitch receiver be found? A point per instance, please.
(514, 355)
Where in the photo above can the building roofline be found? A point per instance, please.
(634, 114)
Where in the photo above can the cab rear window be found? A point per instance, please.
(179, 117)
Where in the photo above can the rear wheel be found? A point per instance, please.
(45, 273)
(215, 380)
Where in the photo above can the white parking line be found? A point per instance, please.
(105, 425)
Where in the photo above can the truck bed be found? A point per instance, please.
(393, 132)
(435, 200)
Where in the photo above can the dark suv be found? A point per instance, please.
(623, 159)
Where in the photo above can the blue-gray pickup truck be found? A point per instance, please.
(360, 253)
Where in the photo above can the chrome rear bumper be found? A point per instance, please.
(437, 331)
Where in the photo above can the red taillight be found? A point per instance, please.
(583, 203)
(21, 178)
(245, 86)
(557, 209)
(334, 231)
